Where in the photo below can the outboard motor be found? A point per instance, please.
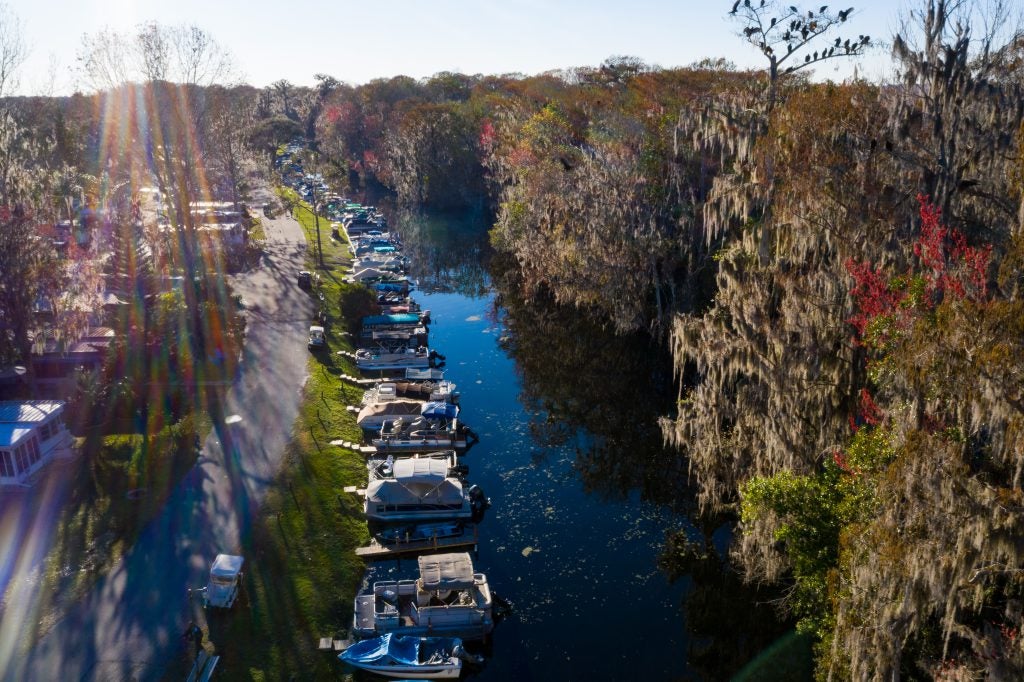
(459, 652)
(477, 501)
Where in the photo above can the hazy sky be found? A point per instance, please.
(358, 41)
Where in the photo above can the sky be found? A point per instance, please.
(358, 41)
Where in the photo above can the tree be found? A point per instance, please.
(29, 274)
(183, 53)
(13, 49)
(154, 51)
(786, 36)
(199, 58)
(325, 87)
(285, 92)
(230, 124)
(105, 60)
(614, 71)
(957, 110)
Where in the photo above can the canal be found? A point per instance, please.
(589, 510)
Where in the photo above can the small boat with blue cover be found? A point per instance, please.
(411, 658)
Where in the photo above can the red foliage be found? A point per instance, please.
(840, 461)
(488, 135)
(332, 114)
(870, 412)
(871, 293)
(949, 268)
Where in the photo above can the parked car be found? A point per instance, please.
(225, 581)
(316, 337)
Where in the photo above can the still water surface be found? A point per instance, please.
(584, 496)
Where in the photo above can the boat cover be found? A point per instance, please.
(424, 374)
(416, 490)
(226, 565)
(439, 410)
(399, 318)
(446, 571)
(391, 286)
(396, 408)
(412, 469)
(394, 649)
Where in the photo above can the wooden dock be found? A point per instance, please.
(375, 550)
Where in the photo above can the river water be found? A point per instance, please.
(584, 496)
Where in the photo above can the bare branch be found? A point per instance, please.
(13, 49)
(788, 34)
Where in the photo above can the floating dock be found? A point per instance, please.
(376, 550)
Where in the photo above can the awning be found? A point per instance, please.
(446, 571)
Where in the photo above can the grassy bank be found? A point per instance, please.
(302, 570)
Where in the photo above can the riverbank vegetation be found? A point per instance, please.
(833, 268)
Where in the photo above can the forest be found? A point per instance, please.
(834, 268)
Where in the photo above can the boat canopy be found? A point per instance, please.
(398, 318)
(415, 469)
(226, 566)
(439, 410)
(423, 489)
(446, 572)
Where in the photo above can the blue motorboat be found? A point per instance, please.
(412, 658)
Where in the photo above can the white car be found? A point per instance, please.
(225, 581)
(316, 337)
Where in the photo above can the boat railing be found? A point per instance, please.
(400, 588)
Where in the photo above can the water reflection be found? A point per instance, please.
(579, 379)
(448, 252)
(604, 393)
(594, 535)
